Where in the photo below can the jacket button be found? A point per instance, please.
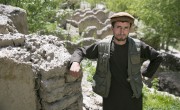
(128, 79)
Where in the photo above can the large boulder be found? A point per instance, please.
(171, 62)
(169, 82)
(17, 15)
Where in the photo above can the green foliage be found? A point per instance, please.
(76, 38)
(155, 83)
(41, 14)
(90, 69)
(118, 5)
(151, 37)
(154, 100)
(163, 16)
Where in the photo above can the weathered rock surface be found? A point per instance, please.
(33, 74)
(6, 25)
(90, 21)
(17, 15)
(171, 62)
(90, 31)
(17, 83)
(9, 40)
(70, 46)
(169, 82)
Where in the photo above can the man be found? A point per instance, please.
(118, 78)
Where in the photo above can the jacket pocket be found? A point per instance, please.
(135, 58)
(102, 62)
(137, 85)
(135, 61)
(99, 85)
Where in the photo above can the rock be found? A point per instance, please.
(104, 32)
(17, 15)
(171, 62)
(9, 40)
(169, 82)
(70, 46)
(17, 85)
(63, 103)
(72, 22)
(102, 15)
(76, 16)
(33, 73)
(90, 31)
(90, 21)
(6, 25)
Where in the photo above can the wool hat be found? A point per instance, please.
(122, 16)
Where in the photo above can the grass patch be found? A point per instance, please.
(156, 100)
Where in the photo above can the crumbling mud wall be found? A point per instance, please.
(33, 74)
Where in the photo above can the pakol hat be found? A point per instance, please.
(122, 16)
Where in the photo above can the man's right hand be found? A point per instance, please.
(75, 69)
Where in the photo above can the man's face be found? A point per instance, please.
(121, 30)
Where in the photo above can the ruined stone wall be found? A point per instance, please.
(33, 74)
(85, 19)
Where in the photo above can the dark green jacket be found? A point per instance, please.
(102, 77)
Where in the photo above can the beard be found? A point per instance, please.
(121, 39)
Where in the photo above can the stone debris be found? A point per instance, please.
(91, 101)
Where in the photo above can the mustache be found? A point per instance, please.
(120, 35)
